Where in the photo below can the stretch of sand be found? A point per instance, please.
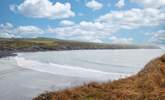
(19, 83)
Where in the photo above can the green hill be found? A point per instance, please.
(43, 44)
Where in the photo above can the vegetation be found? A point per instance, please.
(148, 84)
(42, 44)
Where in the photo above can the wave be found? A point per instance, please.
(101, 63)
(66, 70)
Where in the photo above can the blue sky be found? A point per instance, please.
(110, 21)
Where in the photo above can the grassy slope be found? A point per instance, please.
(148, 84)
(41, 44)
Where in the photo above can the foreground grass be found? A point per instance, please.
(148, 84)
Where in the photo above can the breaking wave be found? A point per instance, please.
(67, 70)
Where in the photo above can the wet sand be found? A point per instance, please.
(17, 83)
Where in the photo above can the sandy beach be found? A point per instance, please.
(26, 81)
(23, 84)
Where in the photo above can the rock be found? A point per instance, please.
(163, 58)
(6, 54)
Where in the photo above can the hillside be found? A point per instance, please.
(42, 44)
(148, 84)
(8, 46)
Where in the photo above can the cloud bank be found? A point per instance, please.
(43, 9)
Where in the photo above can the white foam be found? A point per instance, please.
(66, 70)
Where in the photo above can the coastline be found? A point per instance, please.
(10, 46)
(21, 83)
(4, 54)
(149, 83)
(7, 53)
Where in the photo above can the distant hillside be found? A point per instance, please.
(42, 44)
(148, 84)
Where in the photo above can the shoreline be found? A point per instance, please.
(10, 46)
(4, 54)
(20, 83)
(146, 84)
(7, 53)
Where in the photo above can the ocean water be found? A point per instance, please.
(93, 64)
(28, 74)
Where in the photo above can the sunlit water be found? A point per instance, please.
(28, 74)
(94, 64)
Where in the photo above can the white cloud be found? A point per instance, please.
(86, 38)
(85, 31)
(120, 4)
(5, 30)
(43, 9)
(90, 39)
(6, 35)
(150, 3)
(95, 5)
(102, 28)
(118, 40)
(110, 23)
(157, 37)
(9, 30)
(84, 28)
(28, 30)
(66, 23)
(91, 25)
(133, 18)
(7, 25)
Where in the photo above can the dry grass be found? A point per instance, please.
(148, 84)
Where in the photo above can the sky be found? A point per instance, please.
(103, 21)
